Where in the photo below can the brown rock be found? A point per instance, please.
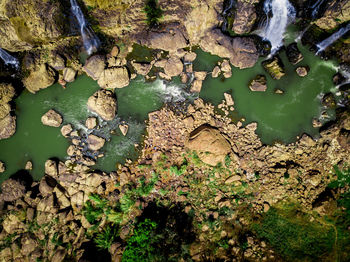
(302, 71)
(29, 165)
(196, 86)
(116, 77)
(209, 144)
(69, 74)
(51, 168)
(142, 68)
(170, 40)
(39, 78)
(258, 83)
(12, 190)
(201, 75)
(2, 167)
(95, 142)
(91, 122)
(216, 72)
(245, 54)
(274, 67)
(104, 104)
(124, 129)
(94, 66)
(229, 99)
(190, 56)
(244, 17)
(7, 126)
(51, 118)
(173, 67)
(66, 130)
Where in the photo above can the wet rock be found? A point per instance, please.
(216, 72)
(69, 74)
(173, 67)
(95, 142)
(29, 165)
(259, 83)
(274, 67)
(244, 17)
(124, 129)
(117, 77)
(66, 130)
(94, 66)
(12, 190)
(302, 71)
(91, 122)
(7, 126)
(40, 77)
(103, 103)
(338, 79)
(293, 54)
(2, 167)
(51, 118)
(328, 101)
(209, 144)
(142, 68)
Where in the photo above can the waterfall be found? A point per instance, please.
(282, 14)
(90, 40)
(330, 40)
(8, 59)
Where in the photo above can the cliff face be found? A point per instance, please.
(25, 24)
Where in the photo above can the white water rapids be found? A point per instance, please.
(8, 59)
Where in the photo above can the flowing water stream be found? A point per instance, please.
(8, 59)
(331, 39)
(90, 40)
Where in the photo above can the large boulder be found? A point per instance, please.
(94, 66)
(52, 118)
(209, 144)
(95, 142)
(40, 77)
(293, 54)
(117, 77)
(244, 17)
(103, 103)
(26, 23)
(169, 40)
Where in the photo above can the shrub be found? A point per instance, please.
(154, 13)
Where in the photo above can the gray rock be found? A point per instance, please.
(94, 66)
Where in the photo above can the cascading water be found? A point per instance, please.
(316, 8)
(282, 14)
(330, 40)
(8, 59)
(90, 40)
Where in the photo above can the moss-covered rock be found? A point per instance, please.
(274, 67)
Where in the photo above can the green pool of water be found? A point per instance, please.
(35, 142)
(279, 117)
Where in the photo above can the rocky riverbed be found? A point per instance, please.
(204, 187)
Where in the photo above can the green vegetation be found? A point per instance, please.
(139, 246)
(293, 236)
(154, 12)
(103, 4)
(105, 239)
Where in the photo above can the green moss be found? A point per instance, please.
(22, 30)
(293, 236)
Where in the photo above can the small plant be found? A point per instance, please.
(154, 13)
(139, 246)
(105, 239)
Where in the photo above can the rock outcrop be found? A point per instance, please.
(52, 118)
(103, 103)
(293, 54)
(117, 77)
(40, 77)
(244, 17)
(338, 12)
(12, 190)
(209, 144)
(7, 121)
(94, 66)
